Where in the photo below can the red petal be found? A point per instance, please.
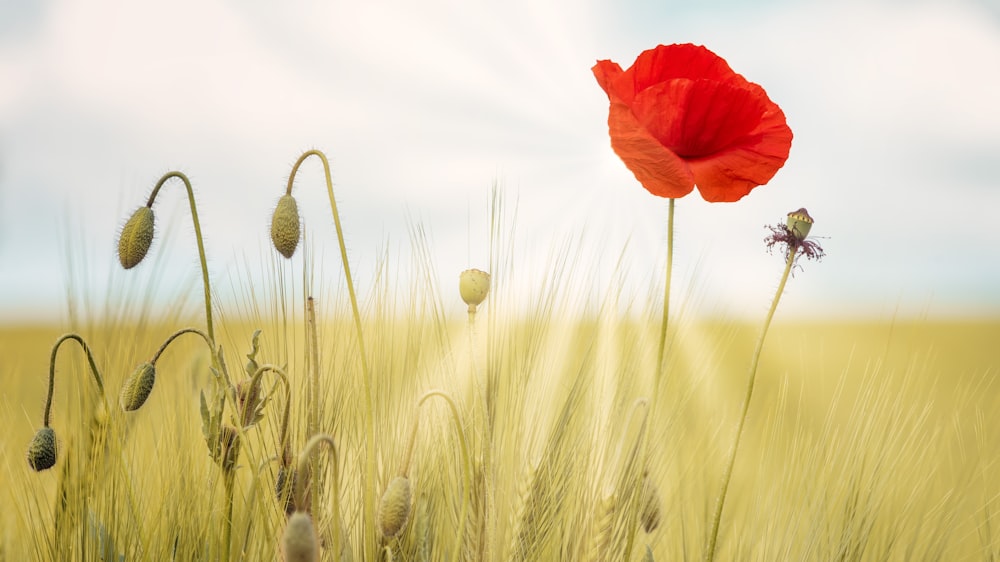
(669, 62)
(730, 174)
(658, 169)
(698, 118)
(606, 72)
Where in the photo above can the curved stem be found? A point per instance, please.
(52, 372)
(666, 297)
(367, 490)
(255, 380)
(717, 518)
(177, 334)
(303, 465)
(466, 470)
(197, 235)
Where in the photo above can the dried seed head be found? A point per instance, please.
(394, 510)
(300, 541)
(650, 499)
(138, 386)
(136, 237)
(42, 451)
(474, 285)
(799, 222)
(285, 226)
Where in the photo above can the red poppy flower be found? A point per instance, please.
(681, 117)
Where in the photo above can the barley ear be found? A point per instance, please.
(135, 238)
(285, 226)
(42, 451)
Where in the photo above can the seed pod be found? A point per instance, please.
(650, 499)
(474, 285)
(799, 223)
(136, 237)
(394, 510)
(285, 226)
(42, 451)
(300, 541)
(138, 386)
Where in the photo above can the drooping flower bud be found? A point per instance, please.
(137, 388)
(474, 285)
(799, 222)
(285, 226)
(300, 542)
(394, 510)
(42, 451)
(136, 237)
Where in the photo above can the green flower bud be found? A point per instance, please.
(136, 237)
(300, 542)
(285, 226)
(42, 451)
(394, 510)
(138, 386)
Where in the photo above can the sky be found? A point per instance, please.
(422, 107)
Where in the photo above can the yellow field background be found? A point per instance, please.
(865, 440)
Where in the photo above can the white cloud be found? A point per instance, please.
(421, 106)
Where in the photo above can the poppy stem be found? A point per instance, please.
(198, 238)
(716, 520)
(666, 297)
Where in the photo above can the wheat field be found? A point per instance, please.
(317, 425)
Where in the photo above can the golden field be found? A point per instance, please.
(865, 440)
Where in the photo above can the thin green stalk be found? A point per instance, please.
(466, 468)
(177, 334)
(666, 298)
(52, 373)
(302, 465)
(368, 498)
(717, 518)
(198, 238)
(313, 422)
(229, 478)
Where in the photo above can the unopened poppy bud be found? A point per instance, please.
(394, 511)
(474, 285)
(42, 450)
(137, 388)
(300, 542)
(799, 222)
(136, 237)
(285, 226)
